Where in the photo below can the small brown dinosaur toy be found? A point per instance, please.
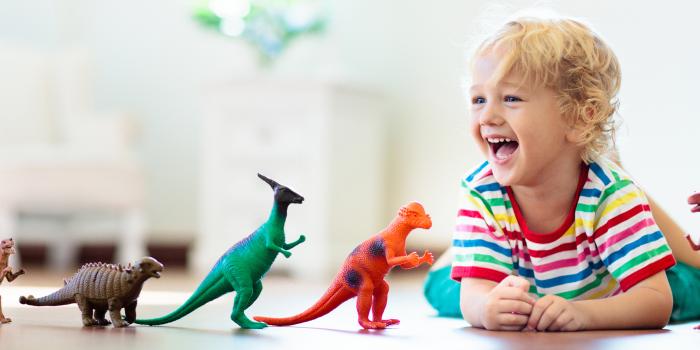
(363, 272)
(99, 287)
(7, 248)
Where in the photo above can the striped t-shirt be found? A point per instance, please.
(608, 243)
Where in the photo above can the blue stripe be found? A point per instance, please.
(620, 253)
(481, 167)
(576, 277)
(553, 282)
(590, 192)
(600, 173)
(471, 243)
(494, 186)
(523, 272)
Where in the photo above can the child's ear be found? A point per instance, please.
(575, 135)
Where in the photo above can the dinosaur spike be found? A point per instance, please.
(269, 181)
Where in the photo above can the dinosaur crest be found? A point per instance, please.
(414, 215)
(283, 194)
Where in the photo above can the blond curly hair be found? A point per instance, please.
(567, 56)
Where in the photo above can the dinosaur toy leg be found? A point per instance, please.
(3, 319)
(246, 293)
(100, 313)
(364, 304)
(381, 294)
(86, 311)
(130, 313)
(12, 276)
(115, 306)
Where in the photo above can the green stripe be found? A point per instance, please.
(576, 292)
(499, 202)
(639, 259)
(612, 189)
(615, 175)
(588, 208)
(483, 258)
(486, 203)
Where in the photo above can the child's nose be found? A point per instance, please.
(491, 115)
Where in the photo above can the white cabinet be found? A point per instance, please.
(325, 141)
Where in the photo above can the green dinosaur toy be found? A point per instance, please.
(242, 267)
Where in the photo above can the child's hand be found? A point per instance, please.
(554, 313)
(508, 306)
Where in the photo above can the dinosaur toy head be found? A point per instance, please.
(283, 194)
(7, 246)
(413, 214)
(148, 267)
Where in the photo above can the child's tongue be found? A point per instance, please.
(505, 150)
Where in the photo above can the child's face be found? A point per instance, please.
(517, 126)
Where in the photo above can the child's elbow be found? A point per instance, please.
(469, 314)
(663, 307)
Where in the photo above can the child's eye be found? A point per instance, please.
(478, 100)
(512, 99)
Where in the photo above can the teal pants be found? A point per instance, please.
(443, 293)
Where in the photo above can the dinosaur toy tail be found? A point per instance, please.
(59, 297)
(334, 296)
(213, 286)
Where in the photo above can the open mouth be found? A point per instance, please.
(502, 148)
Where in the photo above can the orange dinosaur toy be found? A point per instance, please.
(363, 272)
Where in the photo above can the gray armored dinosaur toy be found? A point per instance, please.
(99, 287)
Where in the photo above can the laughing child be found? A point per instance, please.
(551, 235)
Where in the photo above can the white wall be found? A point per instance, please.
(152, 60)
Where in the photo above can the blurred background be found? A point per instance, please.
(137, 127)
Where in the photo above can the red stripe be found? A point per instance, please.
(620, 218)
(514, 235)
(487, 174)
(470, 214)
(648, 271)
(459, 272)
(569, 246)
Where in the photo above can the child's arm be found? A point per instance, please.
(646, 305)
(505, 306)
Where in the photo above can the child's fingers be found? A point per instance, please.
(549, 316)
(515, 306)
(514, 293)
(537, 311)
(561, 321)
(517, 282)
(510, 319)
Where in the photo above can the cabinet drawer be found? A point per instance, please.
(253, 138)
